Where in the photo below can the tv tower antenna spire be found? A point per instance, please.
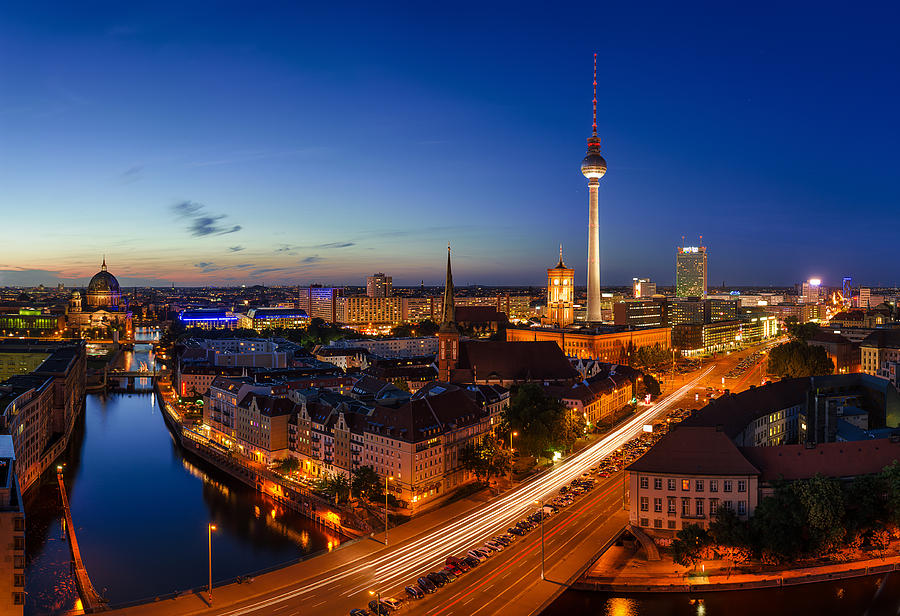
(595, 95)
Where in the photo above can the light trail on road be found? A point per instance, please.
(417, 557)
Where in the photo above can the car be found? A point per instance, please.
(459, 563)
(448, 574)
(436, 578)
(358, 612)
(494, 545)
(472, 562)
(515, 531)
(453, 570)
(392, 604)
(426, 584)
(413, 591)
(476, 554)
(379, 609)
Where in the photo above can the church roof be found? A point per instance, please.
(103, 281)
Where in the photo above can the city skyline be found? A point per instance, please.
(218, 158)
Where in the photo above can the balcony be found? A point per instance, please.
(693, 516)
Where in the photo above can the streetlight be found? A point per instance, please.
(377, 595)
(210, 528)
(541, 503)
(511, 435)
(386, 479)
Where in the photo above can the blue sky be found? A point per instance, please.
(229, 143)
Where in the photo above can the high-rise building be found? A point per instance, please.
(865, 296)
(379, 285)
(594, 167)
(643, 288)
(560, 294)
(811, 291)
(690, 271)
(847, 289)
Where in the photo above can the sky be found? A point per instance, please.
(207, 143)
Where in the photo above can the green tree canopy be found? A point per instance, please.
(800, 331)
(797, 359)
(542, 421)
(688, 545)
(367, 483)
(486, 458)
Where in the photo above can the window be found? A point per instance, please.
(657, 483)
(19, 525)
(19, 598)
(645, 522)
(657, 505)
(18, 562)
(713, 506)
(742, 508)
(726, 505)
(645, 483)
(713, 485)
(19, 579)
(726, 485)
(657, 523)
(685, 507)
(742, 485)
(18, 543)
(671, 505)
(685, 485)
(671, 524)
(645, 503)
(698, 504)
(671, 486)
(698, 485)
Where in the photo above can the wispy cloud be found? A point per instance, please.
(235, 248)
(206, 267)
(335, 245)
(132, 174)
(201, 223)
(252, 155)
(311, 260)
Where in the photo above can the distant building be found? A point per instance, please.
(101, 307)
(274, 318)
(882, 345)
(641, 313)
(847, 290)
(33, 323)
(864, 297)
(811, 291)
(393, 347)
(643, 288)
(690, 271)
(609, 343)
(363, 311)
(560, 294)
(209, 318)
(844, 353)
(379, 285)
(319, 302)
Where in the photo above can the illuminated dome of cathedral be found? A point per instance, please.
(103, 289)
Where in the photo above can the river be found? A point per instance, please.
(141, 511)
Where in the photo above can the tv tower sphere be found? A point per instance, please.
(593, 165)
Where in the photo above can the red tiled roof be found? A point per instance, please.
(829, 459)
(512, 361)
(694, 451)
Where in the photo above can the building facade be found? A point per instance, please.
(560, 294)
(690, 271)
(605, 343)
(379, 285)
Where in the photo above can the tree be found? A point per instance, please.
(797, 359)
(890, 475)
(688, 545)
(822, 503)
(777, 525)
(367, 483)
(880, 540)
(287, 465)
(864, 502)
(486, 459)
(731, 536)
(800, 331)
(651, 384)
(542, 421)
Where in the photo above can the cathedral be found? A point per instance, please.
(101, 306)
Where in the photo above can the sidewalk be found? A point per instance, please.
(619, 570)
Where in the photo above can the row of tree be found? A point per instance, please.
(803, 518)
(542, 421)
(797, 358)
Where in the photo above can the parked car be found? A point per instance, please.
(477, 555)
(453, 570)
(448, 574)
(436, 579)
(358, 612)
(515, 530)
(459, 563)
(472, 562)
(392, 604)
(426, 584)
(413, 591)
(379, 609)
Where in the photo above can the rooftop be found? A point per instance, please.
(694, 451)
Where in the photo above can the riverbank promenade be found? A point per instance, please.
(618, 570)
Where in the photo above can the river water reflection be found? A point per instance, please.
(141, 510)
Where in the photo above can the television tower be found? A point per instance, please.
(593, 167)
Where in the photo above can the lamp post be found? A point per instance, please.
(386, 479)
(511, 435)
(377, 595)
(541, 503)
(209, 529)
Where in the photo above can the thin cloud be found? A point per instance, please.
(132, 174)
(335, 245)
(235, 248)
(206, 267)
(311, 260)
(202, 224)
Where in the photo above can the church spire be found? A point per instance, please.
(448, 316)
(103, 267)
(561, 264)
